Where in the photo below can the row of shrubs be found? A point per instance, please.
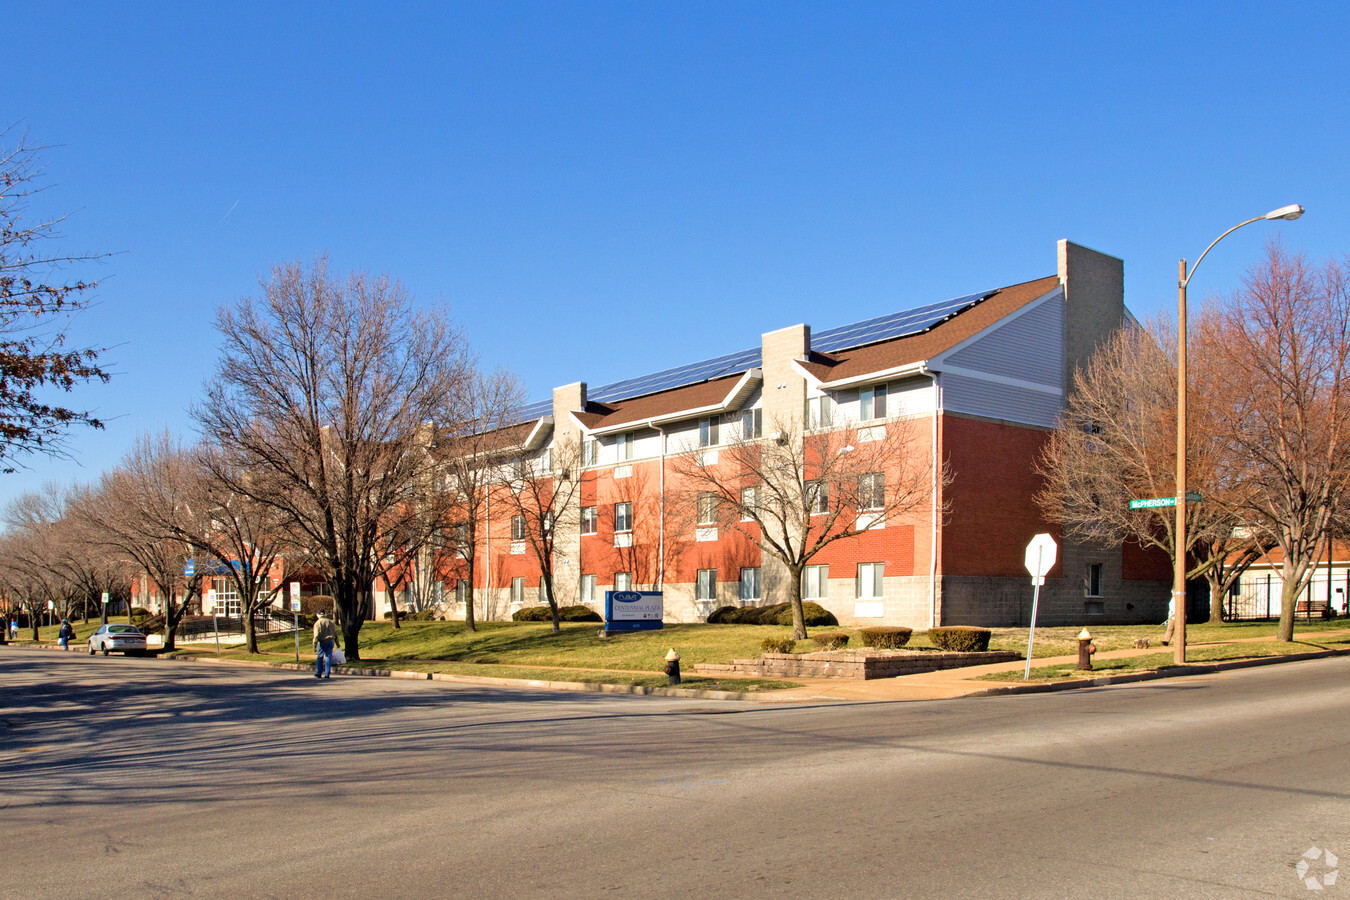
(956, 638)
(565, 614)
(816, 615)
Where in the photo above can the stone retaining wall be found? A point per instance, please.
(860, 664)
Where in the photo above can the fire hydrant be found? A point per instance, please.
(672, 668)
(1085, 649)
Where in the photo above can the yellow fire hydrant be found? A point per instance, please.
(1085, 649)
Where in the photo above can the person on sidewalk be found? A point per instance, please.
(65, 634)
(13, 628)
(1171, 619)
(325, 637)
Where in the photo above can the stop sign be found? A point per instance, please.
(1041, 554)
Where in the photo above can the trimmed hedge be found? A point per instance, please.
(830, 640)
(779, 614)
(886, 637)
(960, 638)
(777, 645)
(565, 614)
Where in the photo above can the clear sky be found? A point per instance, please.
(598, 190)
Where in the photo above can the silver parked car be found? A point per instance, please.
(122, 638)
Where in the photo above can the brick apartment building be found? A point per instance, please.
(980, 380)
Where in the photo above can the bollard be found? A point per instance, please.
(1085, 650)
(672, 668)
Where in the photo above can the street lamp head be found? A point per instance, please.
(1290, 212)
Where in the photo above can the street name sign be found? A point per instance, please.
(1153, 502)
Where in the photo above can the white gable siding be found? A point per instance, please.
(1013, 371)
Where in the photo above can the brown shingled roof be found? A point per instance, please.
(919, 347)
(640, 409)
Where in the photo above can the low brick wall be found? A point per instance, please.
(859, 664)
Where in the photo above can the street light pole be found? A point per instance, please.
(1179, 547)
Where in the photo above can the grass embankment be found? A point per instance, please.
(1199, 652)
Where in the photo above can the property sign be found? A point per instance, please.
(634, 610)
(1153, 502)
(295, 596)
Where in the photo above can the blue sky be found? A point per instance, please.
(598, 189)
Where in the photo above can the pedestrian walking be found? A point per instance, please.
(13, 628)
(65, 634)
(325, 637)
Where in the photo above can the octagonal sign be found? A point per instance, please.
(1041, 553)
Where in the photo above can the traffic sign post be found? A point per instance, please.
(295, 614)
(1040, 558)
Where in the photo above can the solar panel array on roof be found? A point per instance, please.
(680, 376)
(894, 325)
(868, 331)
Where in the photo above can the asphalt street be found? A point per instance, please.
(146, 778)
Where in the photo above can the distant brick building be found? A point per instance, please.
(981, 379)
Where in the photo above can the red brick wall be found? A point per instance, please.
(992, 516)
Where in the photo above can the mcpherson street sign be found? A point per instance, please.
(1150, 503)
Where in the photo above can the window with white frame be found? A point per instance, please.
(707, 584)
(708, 431)
(872, 491)
(517, 528)
(750, 584)
(1092, 580)
(818, 497)
(623, 581)
(462, 591)
(815, 582)
(870, 581)
(590, 519)
(588, 589)
(589, 451)
(752, 424)
(623, 516)
(518, 590)
(546, 460)
(872, 403)
(707, 509)
(227, 597)
(819, 411)
(623, 446)
(749, 503)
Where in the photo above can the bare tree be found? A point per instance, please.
(36, 307)
(1281, 362)
(796, 492)
(540, 491)
(1116, 442)
(322, 394)
(478, 434)
(129, 513)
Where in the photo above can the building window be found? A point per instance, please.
(815, 582)
(707, 509)
(872, 403)
(872, 491)
(227, 598)
(587, 588)
(870, 580)
(707, 432)
(624, 447)
(749, 503)
(518, 590)
(818, 411)
(546, 461)
(590, 519)
(462, 591)
(589, 451)
(750, 584)
(707, 584)
(752, 424)
(623, 581)
(1092, 581)
(517, 528)
(818, 497)
(623, 516)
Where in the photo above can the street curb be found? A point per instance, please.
(534, 684)
(1165, 672)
